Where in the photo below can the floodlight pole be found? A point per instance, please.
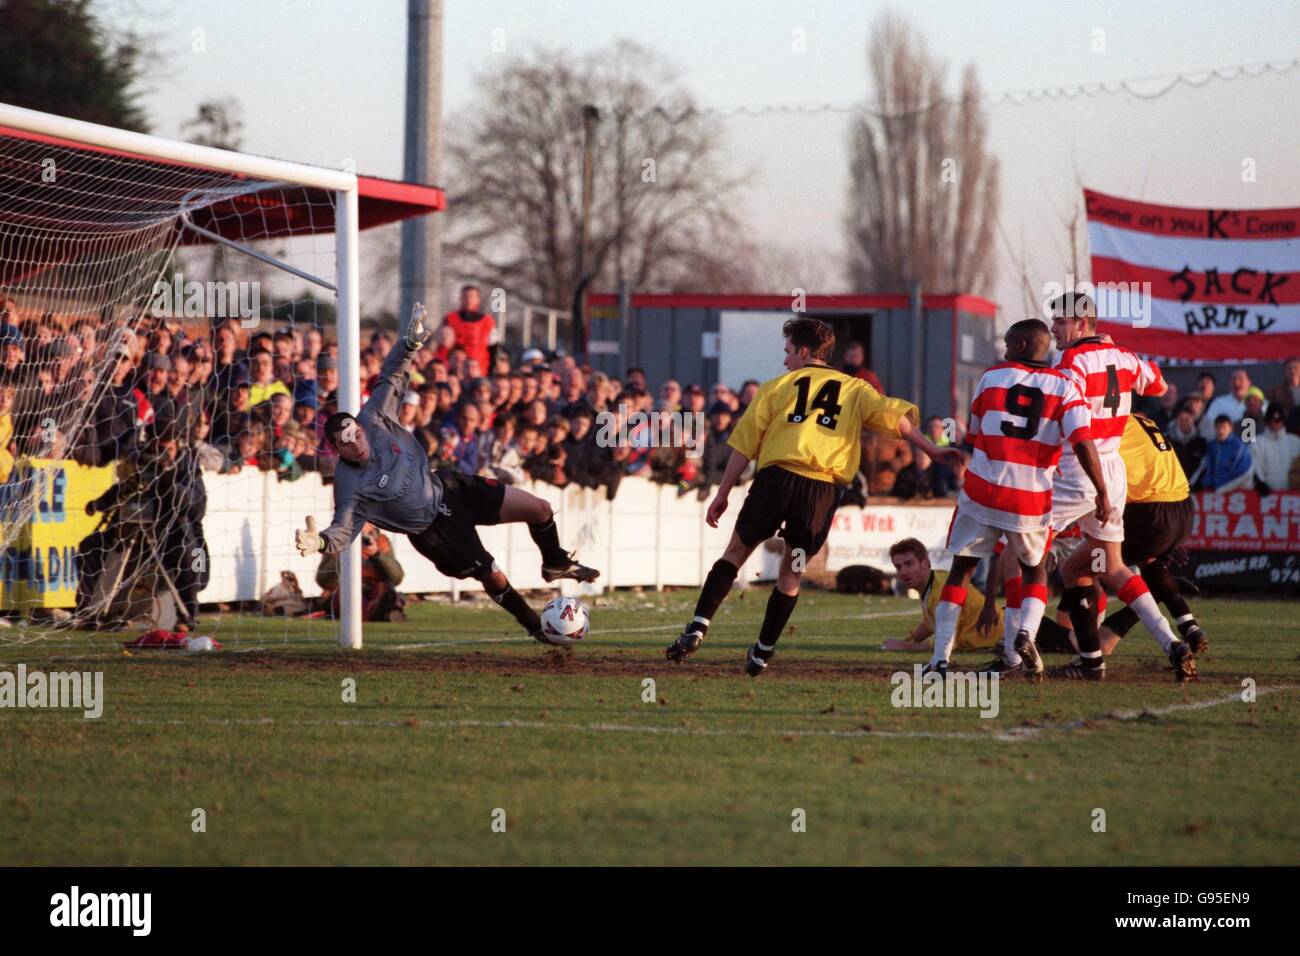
(346, 232)
(590, 117)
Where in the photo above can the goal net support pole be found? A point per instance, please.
(342, 185)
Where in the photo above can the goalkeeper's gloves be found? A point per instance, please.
(415, 328)
(307, 540)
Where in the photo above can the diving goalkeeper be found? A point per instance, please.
(384, 477)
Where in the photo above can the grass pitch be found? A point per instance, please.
(459, 723)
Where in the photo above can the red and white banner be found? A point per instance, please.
(1214, 284)
(1245, 521)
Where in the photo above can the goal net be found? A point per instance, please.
(169, 341)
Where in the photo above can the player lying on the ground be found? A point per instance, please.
(384, 477)
(1107, 375)
(805, 430)
(1022, 413)
(980, 625)
(1157, 517)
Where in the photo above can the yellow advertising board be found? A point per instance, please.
(39, 566)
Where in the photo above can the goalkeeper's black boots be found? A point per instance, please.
(569, 568)
(1197, 640)
(1184, 662)
(687, 643)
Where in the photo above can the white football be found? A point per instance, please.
(565, 621)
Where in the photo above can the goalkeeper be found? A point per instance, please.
(384, 477)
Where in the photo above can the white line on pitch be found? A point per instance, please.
(1014, 735)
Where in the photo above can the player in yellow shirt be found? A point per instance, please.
(805, 430)
(1157, 517)
(911, 561)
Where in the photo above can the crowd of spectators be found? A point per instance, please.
(257, 399)
(1242, 438)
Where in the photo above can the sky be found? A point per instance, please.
(322, 81)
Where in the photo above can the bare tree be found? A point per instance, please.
(663, 216)
(923, 192)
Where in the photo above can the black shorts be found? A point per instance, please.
(1152, 529)
(778, 497)
(452, 542)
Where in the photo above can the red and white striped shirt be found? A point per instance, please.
(1107, 374)
(1021, 416)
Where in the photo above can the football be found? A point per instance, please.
(565, 621)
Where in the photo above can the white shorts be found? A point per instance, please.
(970, 537)
(1075, 499)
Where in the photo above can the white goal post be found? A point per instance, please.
(62, 133)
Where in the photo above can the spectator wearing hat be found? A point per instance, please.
(1252, 419)
(408, 415)
(1232, 404)
(155, 370)
(693, 400)
(1227, 465)
(1275, 450)
(531, 357)
(717, 452)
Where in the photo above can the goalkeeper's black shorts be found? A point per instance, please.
(1152, 529)
(452, 542)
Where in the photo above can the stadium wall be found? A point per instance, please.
(648, 538)
(681, 336)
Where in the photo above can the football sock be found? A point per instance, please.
(779, 608)
(720, 578)
(1080, 602)
(1122, 621)
(1102, 601)
(1165, 590)
(1135, 594)
(1032, 606)
(951, 601)
(547, 538)
(1011, 620)
(514, 602)
(1052, 638)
